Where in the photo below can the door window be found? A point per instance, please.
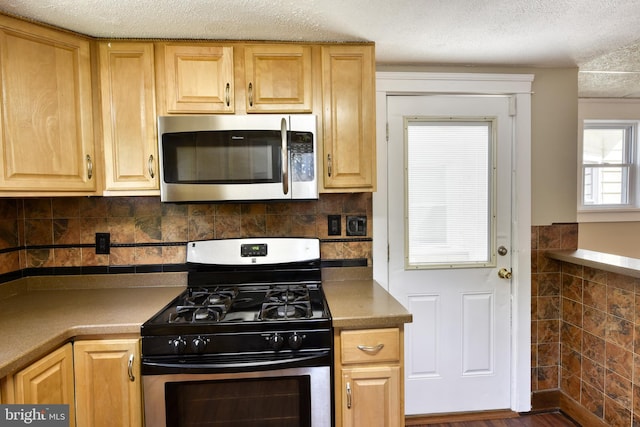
(449, 185)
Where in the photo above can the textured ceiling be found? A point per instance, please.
(601, 37)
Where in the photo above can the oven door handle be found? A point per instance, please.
(202, 366)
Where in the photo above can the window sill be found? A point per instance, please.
(600, 260)
(609, 215)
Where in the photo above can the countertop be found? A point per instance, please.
(363, 304)
(603, 261)
(36, 320)
(41, 313)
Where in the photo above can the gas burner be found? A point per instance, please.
(288, 293)
(285, 310)
(214, 296)
(203, 305)
(198, 313)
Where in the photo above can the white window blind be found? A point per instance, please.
(448, 182)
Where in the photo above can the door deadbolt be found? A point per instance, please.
(503, 273)
(502, 251)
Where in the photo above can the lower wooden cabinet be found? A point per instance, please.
(108, 385)
(372, 396)
(369, 378)
(107, 390)
(47, 381)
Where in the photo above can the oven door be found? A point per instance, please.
(295, 397)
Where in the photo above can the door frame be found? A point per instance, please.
(518, 86)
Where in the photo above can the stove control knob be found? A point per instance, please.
(198, 345)
(178, 345)
(276, 341)
(295, 341)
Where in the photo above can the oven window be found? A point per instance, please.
(260, 402)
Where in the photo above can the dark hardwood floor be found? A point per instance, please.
(554, 419)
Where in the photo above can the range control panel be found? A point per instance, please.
(253, 249)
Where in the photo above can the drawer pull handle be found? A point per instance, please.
(371, 349)
(348, 395)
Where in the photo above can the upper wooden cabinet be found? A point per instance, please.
(348, 97)
(195, 78)
(278, 78)
(127, 88)
(234, 78)
(46, 139)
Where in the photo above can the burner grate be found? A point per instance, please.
(286, 302)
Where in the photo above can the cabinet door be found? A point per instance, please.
(48, 381)
(371, 397)
(128, 116)
(198, 79)
(348, 81)
(278, 78)
(46, 139)
(108, 390)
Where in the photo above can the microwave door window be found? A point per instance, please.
(222, 157)
(248, 162)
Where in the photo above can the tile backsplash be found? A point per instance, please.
(60, 232)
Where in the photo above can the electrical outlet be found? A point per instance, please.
(334, 227)
(103, 243)
(356, 226)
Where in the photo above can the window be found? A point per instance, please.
(609, 163)
(449, 182)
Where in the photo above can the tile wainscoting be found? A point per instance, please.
(545, 303)
(600, 344)
(147, 235)
(585, 333)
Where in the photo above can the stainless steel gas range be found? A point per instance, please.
(248, 343)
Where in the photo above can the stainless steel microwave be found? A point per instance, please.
(237, 157)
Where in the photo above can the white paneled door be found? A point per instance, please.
(449, 214)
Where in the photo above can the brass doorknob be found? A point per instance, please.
(503, 273)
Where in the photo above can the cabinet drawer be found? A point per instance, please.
(370, 345)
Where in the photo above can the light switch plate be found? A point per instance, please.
(103, 243)
(334, 227)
